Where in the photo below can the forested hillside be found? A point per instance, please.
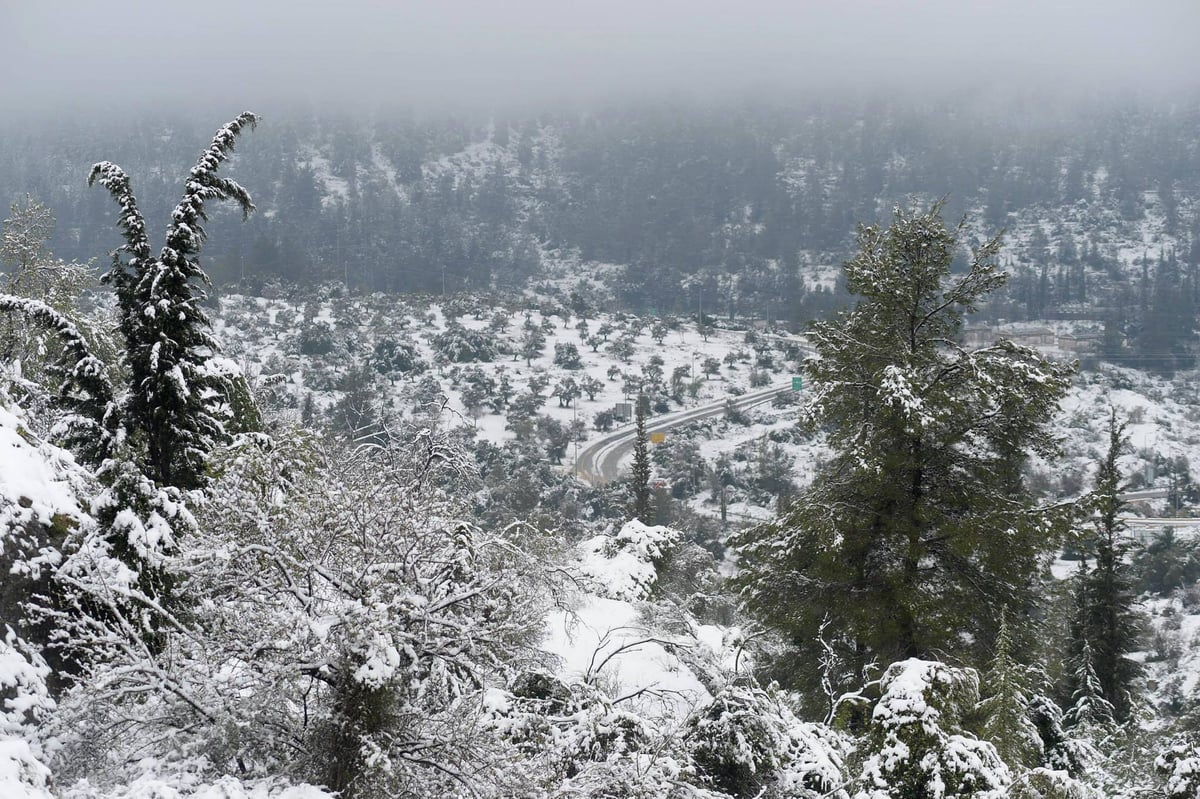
(742, 209)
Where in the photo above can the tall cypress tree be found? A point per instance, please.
(1108, 625)
(920, 519)
(167, 412)
(641, 464)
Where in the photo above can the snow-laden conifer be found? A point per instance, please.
(167, 341)
(1006, 721)
(641, 463)
(916, 746)
(919, 525)
(85, 389)
(1108, 623)
(1089, 710)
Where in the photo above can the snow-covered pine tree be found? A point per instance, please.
(916, 748)
(1089, 709)
(85, 391)
(39, 314)
(1180, 765)
(168, 408)
(920, 518)
(1109, 624)
(641, 464)
(1006, 721)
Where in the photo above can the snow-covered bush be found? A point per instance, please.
(1181, 766)
(22, 774)
(392, 358)
(747, 739)
(459, 344)
(343, 621)
(563, 728)
(24, 699)
(916, 748)
(316, 338)
(566, 356)
(625, 566)
(1044, 783)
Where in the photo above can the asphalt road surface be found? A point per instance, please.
(602, 460)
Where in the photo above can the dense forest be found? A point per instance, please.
(741, 209)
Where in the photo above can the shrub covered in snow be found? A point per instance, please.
(747, 739)
(459, 344)
(566, 355)
(625, 566)
(916, 748)
(1181, 766)
(565, 729)
(22, 774)
(317, 338)
(1044, 783)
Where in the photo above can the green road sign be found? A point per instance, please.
(797, 383)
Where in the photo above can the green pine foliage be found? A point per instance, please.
(1089, 709)
(641, 465)
(1108, 624)
(1006, 718)
(920, 517)
(168, 409)
(916, 747)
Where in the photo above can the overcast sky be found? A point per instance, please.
(259, 53)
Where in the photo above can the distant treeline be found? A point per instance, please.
(730, 208)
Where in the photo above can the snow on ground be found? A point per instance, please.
(38, 481)
(1163, 416)
(606, 640)
(335, 189)
(388, 170)
(262, 334)
(611, 637)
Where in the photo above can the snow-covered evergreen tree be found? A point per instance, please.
(1006, 722)
(40, 313)
(747, 742)
(1090, 710)
(641, 463)
(1108, 623)
(920, 519)
(168, 409)
(1180, 764)
(917, 748)
(89, 415)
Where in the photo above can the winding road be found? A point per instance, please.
(600, 462)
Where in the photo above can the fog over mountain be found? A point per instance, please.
(467, 52)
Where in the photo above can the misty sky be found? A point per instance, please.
(256, 53)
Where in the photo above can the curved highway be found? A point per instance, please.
(600, 461)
